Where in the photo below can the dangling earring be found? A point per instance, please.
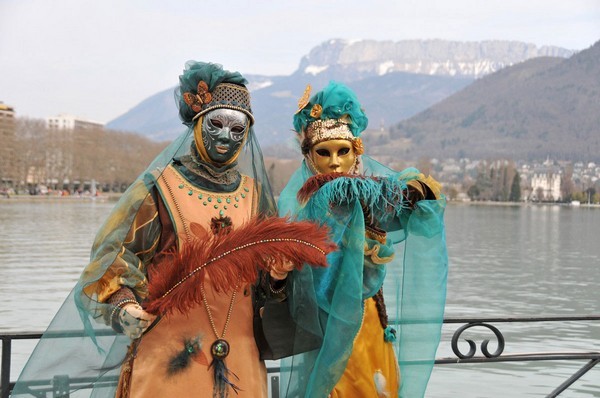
(311, 164)
(355, 169)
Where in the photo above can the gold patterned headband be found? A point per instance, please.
(329, 129)
(332, 129)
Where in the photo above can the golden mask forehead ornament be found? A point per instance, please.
(303, 101)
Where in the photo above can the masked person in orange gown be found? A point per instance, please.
(173, 267)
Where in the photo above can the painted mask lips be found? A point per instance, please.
(222, 149)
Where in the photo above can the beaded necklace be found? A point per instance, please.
(221, 201)
(220, 347)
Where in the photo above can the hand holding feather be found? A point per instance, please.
(279, 269)
(134, 320)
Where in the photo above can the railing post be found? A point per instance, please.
(573, 378)
(274, 386)
(5, 369)
(60, 386)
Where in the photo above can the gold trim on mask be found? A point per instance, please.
(202, 150)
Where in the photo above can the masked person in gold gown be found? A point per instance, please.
(384, 223)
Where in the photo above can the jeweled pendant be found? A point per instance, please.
(220, 349)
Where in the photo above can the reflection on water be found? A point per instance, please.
(43, 247)
(521, 261)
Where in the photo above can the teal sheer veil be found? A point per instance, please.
(330, 301)
(78, 348)
(414, 285)
(75, 348)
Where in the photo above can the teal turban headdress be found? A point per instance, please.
(332, 113)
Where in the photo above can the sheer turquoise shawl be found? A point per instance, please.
(77, 346)
(330, 300)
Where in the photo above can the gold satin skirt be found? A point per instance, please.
(372, 370)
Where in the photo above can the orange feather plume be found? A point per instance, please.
(232, 258)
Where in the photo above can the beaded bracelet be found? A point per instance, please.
(120, 305)
(278, 291)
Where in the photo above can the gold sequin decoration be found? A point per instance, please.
(329, 129)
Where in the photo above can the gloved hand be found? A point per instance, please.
(414, 195)
(415, 192)
(134, 320)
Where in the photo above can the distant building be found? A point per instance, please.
(7, 149)
(70, 122)
(546, 182)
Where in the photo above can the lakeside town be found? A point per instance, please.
(507, 180)
(463, 180)
(67, 156)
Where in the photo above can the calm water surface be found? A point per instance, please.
(520, 261)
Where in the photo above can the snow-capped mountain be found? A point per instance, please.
(428, 57)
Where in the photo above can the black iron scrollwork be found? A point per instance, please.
(473, 346)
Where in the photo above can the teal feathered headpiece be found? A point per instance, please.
(332, 113)
(205, 86)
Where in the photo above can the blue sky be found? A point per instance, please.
(98, 59)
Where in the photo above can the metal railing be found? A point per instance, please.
(60, 385)
(592, 357)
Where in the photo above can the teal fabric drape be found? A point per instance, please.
(331, 299)
(77, 344)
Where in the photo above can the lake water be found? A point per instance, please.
(505, 261)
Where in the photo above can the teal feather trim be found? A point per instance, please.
(389, 334)
(384, 197)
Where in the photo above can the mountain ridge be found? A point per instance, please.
(390, 93)
(541, 107)
(430, 57)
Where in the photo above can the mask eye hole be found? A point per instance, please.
(322, 152)
(237, 129)
(217, 123)
(344, 151)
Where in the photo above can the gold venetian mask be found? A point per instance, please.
(333, 156)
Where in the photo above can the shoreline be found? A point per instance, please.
(40, 198)
(113, 197)
(515, 204)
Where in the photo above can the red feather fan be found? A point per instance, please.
(231, 258)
